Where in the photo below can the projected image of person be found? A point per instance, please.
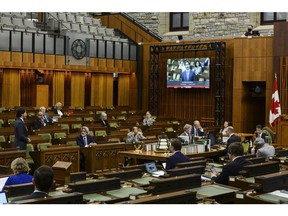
(198, 67)
(188, 74)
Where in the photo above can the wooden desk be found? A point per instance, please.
(244, 135)
(6, 157)
(50, 156)
(102, 156)
(151, 155)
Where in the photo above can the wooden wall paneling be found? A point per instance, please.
(11, 88)
(42, 95)
(94, 63)
(78, 89)
(269, 46)
(58, 87)
(280, 42)
(39, 60)
(110, 64)
(50, 60)
(1, 83)
(102, 64)
(4, 57)
(123, 90)
(16, 59)
(119, 65)
(102, 90)
(59, 61)
(27, 59)
(133, 92)
(254, 69)
(27, 86)
(67, 87)
(146, 71)
(48, 80)
(254, 47)
(126, 66)
(133, 66)
(269, 86)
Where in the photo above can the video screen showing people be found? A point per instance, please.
(188, 73)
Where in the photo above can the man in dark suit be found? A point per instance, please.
(177, 156)
(84, 140)
(235, 152)
(103, 120)
(20, 130)
(232, 137)
(259, 133)
(38, 121)
(188, 74)
(43, 180)
(197, 129)
(46, 117)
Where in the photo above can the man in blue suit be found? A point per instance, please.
(20, 130)
(188, 74)
(177, 156)
(237, 162)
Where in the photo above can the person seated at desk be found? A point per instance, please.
(259, 133)
(42, 180)
(232, 137)
(21, 175)
(187, 132)
(84, 139)
(103, 120)
(250, 32)
(197, 130)
(235, 152)
(223, 132)
(148, 120)
(135, 136)
(46, 117)
(263, 149)
(177, 156)
(58, 109)
(38, 122)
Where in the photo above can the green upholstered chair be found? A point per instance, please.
(101, 133)
(60, 135)
(43, 146)
(46, 136)
(245, 145)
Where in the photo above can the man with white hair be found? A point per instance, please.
(46, 118)
(103, 120)
(197, 129)
(264, 149)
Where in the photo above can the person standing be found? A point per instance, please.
(20, 130)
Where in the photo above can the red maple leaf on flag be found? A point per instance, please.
(276, 104)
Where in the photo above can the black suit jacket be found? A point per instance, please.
(104, 124)
(177, 157)
(232, 139)
(37, 124)
(47, 119)
(231, 169)
(21, 134)
(31, 196)
(80, 140)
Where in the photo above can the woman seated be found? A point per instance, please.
(20, 169)
(148, 120)
(58, 109)
(135, 136)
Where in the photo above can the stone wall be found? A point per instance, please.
(203, 25)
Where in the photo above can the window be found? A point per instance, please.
(268, 18)
(179, 21)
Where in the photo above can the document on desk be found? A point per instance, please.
(280, 193)
(2, 182)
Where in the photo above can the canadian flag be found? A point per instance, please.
(275, 109)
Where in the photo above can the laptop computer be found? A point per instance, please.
(152, 169)
(3, 198)
(2, 182)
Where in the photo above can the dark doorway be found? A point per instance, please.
(115, 91)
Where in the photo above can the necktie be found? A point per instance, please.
(187, 75)
(85, 140)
